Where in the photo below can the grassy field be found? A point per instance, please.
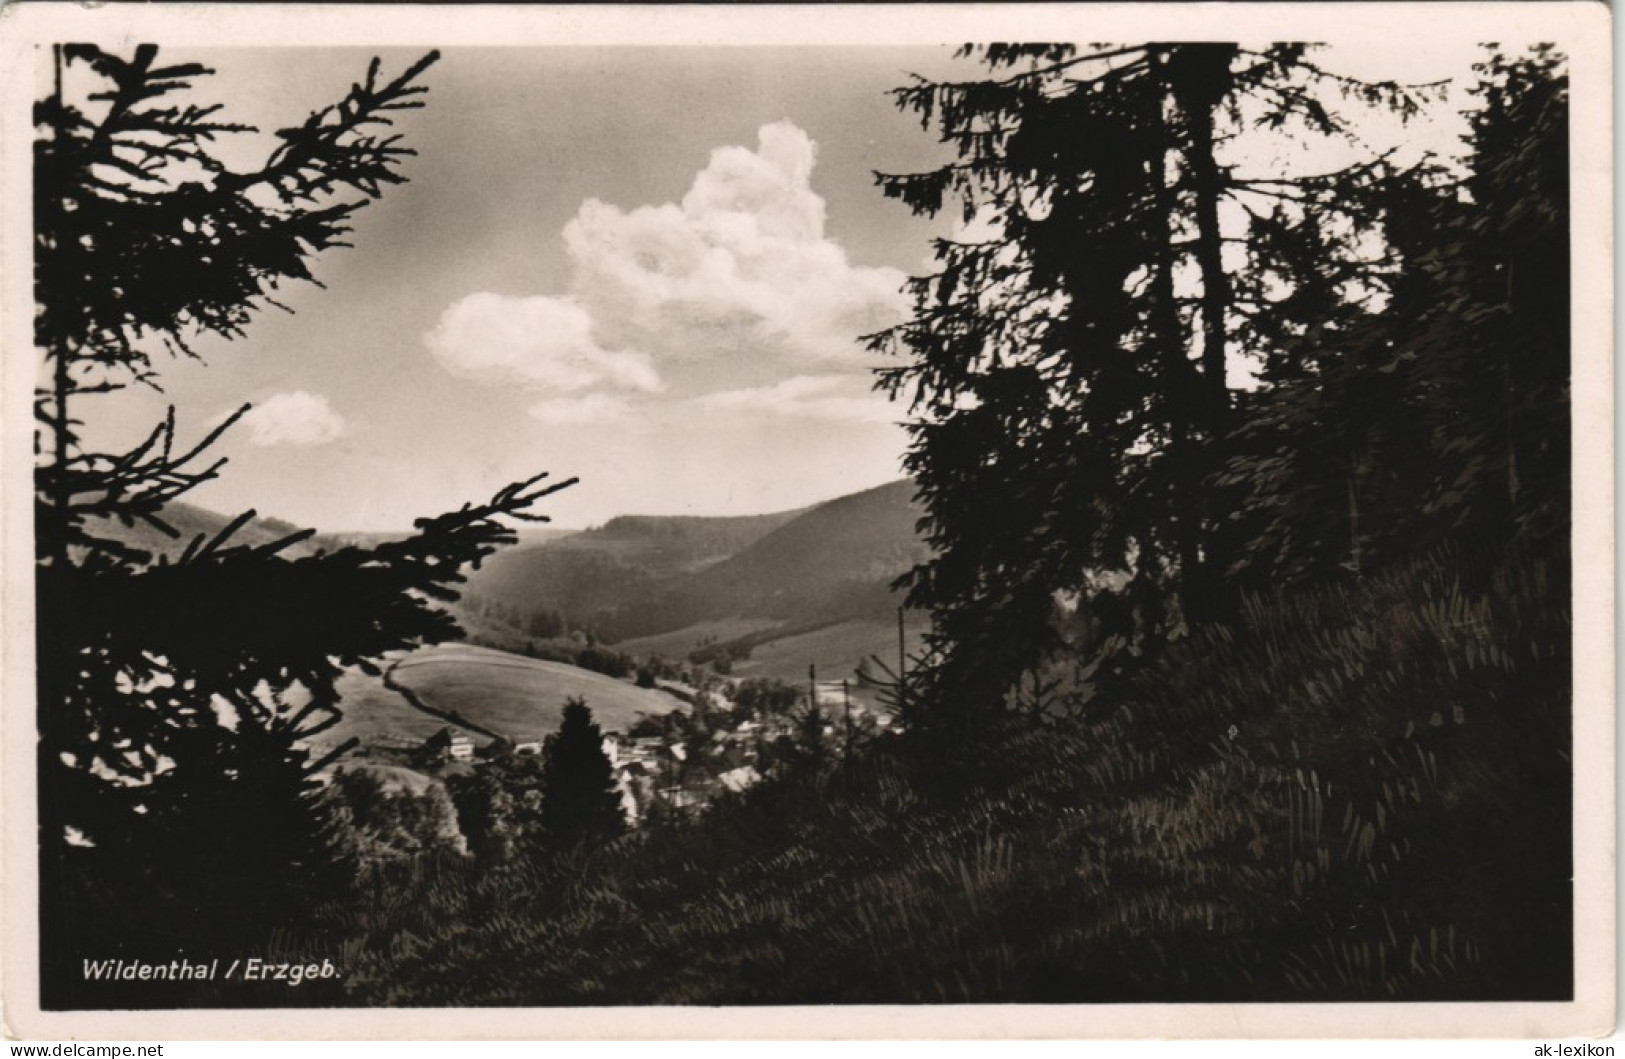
(521, 698)
(377, 716)
(679, 642)
(835, 649)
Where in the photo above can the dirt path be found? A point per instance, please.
(416, 702)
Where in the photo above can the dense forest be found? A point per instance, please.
(1246, 498)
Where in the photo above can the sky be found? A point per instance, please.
(647, 268)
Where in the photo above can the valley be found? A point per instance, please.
(716, 589)
(641, 618)
(713, 601)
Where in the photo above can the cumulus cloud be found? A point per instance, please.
(739, 268)
(298, 418)
(740, 264)
(830, 397)
(543, 342)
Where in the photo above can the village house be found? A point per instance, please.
(445, 744)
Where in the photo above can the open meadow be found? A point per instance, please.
(517, 697)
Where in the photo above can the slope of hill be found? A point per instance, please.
(523, 698)
(835, 651)
(680, 643)
(516, 697)
(838, 559)
(835, 561)
(190, 522)
(379, 717)
(596, 575)
(640, 577)
(669, 542)
(788, 589)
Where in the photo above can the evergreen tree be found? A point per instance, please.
(1067, 372)
(177, 695)
(580, 800)
(1326, 474)
(1443, 415)
(487, 811)
(1493, 358)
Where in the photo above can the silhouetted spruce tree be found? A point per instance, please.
(580, 801)
(1328, 466)
(1494, 356)
(177, 695)
(492, 806)
(1067, 366)
(1442, 415)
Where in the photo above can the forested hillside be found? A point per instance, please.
(640, 576)
(601, 571)
(182, 524)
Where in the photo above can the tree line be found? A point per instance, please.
(1156, 376)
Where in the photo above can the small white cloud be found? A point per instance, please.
(299, 419)
(593, 408)
(830, 397)
(543, 342)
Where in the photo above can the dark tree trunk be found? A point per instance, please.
(1181, 378)
(1200, 79)
(1201, 75)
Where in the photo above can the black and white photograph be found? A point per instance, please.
(1097, 508)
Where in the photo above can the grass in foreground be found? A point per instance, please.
(1359, 793)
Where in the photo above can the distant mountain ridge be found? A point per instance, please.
(647, 575)
(675, 540)
(599, 574)
(190, 522)
(835, 561)
(864, 536)
(644, 575)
